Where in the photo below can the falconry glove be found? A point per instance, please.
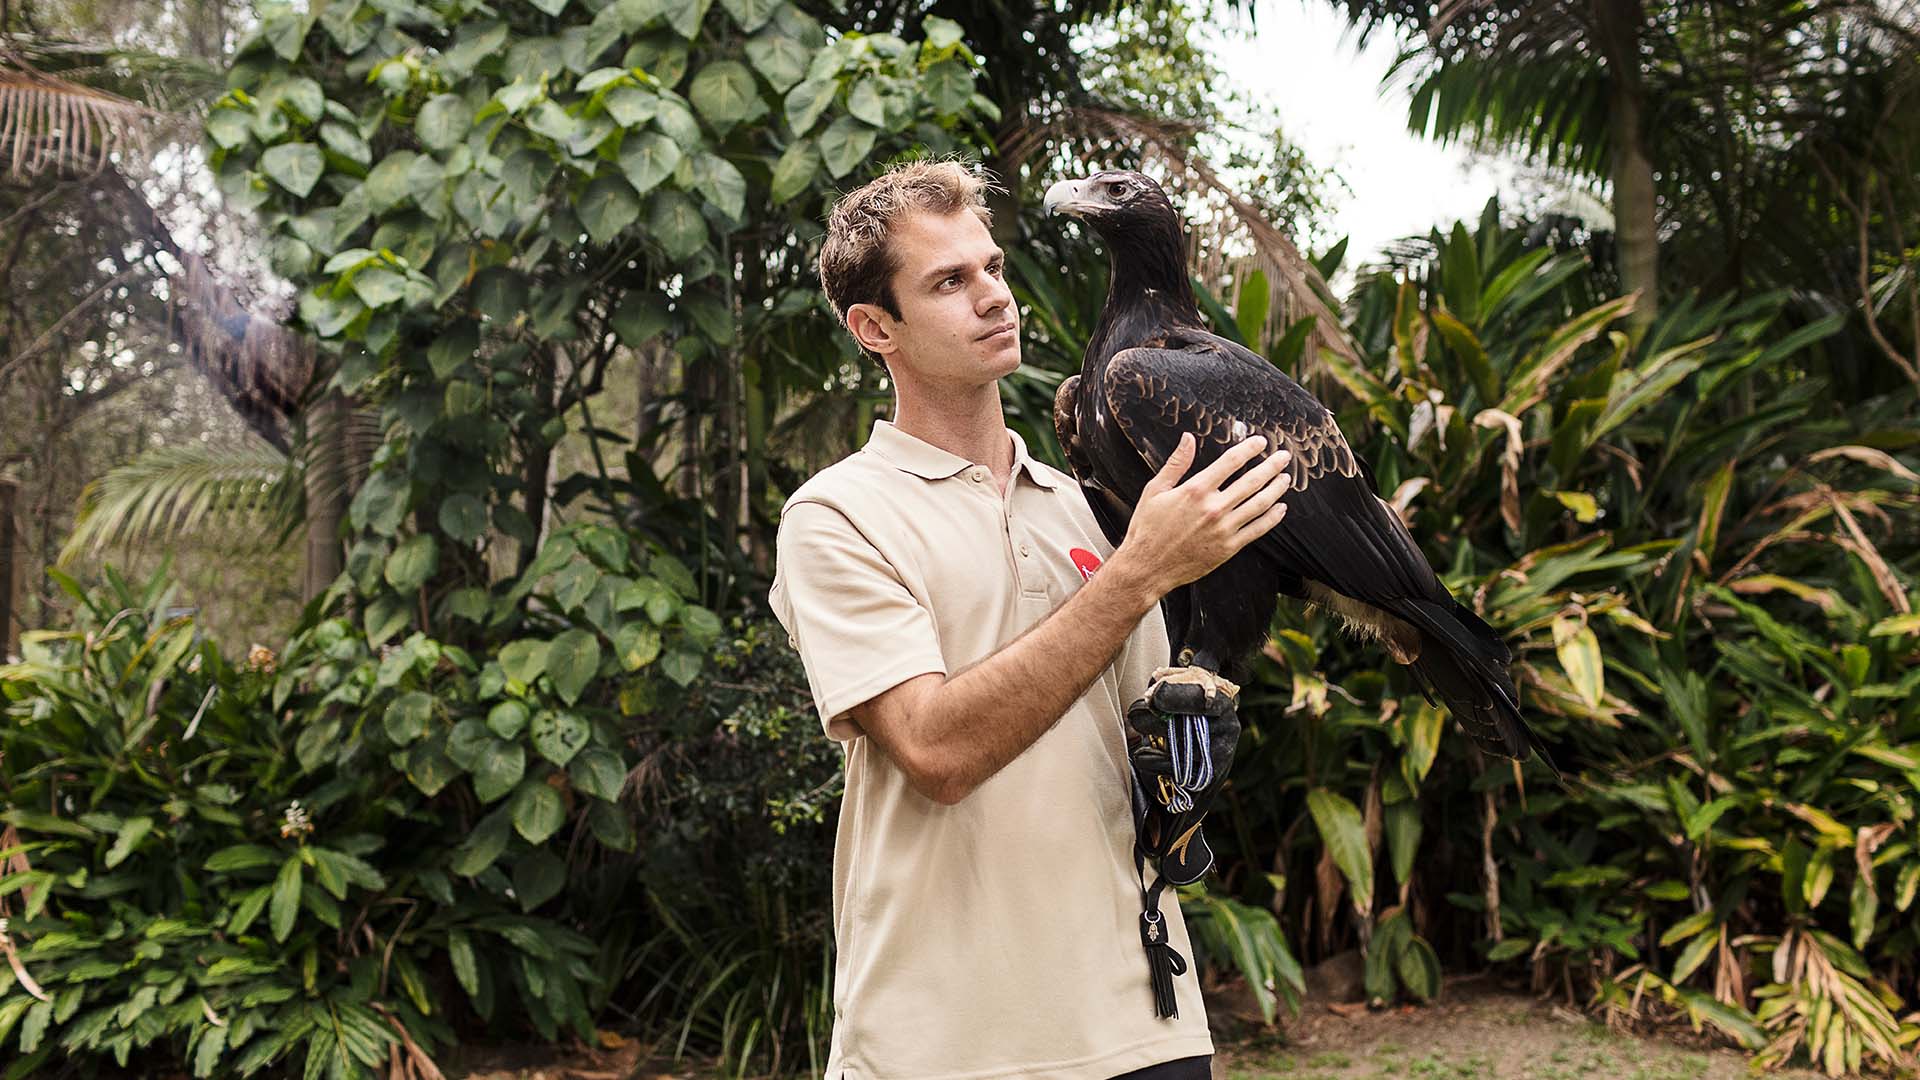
(1188, 727)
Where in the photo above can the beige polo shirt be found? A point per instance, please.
(998, 937)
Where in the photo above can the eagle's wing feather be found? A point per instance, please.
(1113, 514)
(1337, 531)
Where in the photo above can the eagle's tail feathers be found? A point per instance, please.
(1464, 664)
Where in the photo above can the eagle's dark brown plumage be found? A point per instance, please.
(1152, 371)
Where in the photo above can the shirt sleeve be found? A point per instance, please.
(859, 629)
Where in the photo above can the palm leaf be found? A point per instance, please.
(176, 492)
(54, 123)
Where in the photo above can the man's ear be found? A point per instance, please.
(873, 328)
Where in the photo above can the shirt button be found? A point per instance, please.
(979, 474)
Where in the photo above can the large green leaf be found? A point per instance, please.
(443, 122)
(524, 660)
(865, 103)
(406, 717)
(498, 769)
(648, 158)
(294, 166)
(607, 207)
(794, 171)
(598, 772)
(537, 811)
(948, 85)
(779, 59)
(631, 106)
(413, 562)
(675, 224)
(1579, 652)
(463, 517)
(572, 659)
(685, 16)
(808, 101)
(1345, 835)
(538, 877)
(723, 92)
(845, 144)
(750, 15)
(484, 844)
(723, 185)
(636, 645)
(285, 905)
(558, 736)
(640, 318)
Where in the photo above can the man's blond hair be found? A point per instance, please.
(857, 262)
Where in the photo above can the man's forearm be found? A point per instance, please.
(985, 715)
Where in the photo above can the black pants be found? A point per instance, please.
(1193, 1068)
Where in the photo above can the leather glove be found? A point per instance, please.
(1189, 727)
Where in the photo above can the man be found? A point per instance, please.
(940, 585)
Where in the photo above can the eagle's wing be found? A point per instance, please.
(1112, 513)
(1337, 531)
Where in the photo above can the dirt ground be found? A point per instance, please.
(1475, 1032)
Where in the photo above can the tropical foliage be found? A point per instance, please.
(1705, 569)
(532, 759)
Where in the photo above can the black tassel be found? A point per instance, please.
(1163, 963)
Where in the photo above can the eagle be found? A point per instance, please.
(1153, 371)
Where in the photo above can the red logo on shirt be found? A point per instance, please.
(1084, 561)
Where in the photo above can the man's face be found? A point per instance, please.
(958, 323)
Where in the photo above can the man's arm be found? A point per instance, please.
(948, 734)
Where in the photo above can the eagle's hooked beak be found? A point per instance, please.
(1067, 197)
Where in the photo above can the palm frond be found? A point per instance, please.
(1225, 248)
(47, 122)
(176, 492)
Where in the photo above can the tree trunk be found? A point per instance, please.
(327, 493)
(9, 613)
(1635, 226)
(533, 475)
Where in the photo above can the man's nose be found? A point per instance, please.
(995, 296)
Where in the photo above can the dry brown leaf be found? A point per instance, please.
(1509, 463)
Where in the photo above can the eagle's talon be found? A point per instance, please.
(1181, 691)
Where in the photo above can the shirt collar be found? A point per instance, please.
(925, 460)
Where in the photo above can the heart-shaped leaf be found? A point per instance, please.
(537, 811)
(845, 145)
(443, 121)
(572, 659)
(294, 166)
(559, 736)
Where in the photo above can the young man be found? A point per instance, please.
(940, 585)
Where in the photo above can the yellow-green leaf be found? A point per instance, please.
(1579, 652)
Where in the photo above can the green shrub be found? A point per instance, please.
(302, 856)
(1705, 570)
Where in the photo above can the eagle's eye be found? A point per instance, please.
(1117, 189)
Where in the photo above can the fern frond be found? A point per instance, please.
(252, 493)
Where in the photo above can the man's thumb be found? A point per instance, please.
(1177, 463)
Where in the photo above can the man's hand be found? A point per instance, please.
(1181, 531)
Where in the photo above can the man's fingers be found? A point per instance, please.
(1260, 526)
(1229, 462)
(1261, 500)
(1258, 477)
(1176, 467)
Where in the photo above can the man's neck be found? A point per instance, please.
(969, 423)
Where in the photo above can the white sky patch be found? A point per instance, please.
(1300, 60)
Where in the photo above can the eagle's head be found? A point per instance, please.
(1113, 202)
